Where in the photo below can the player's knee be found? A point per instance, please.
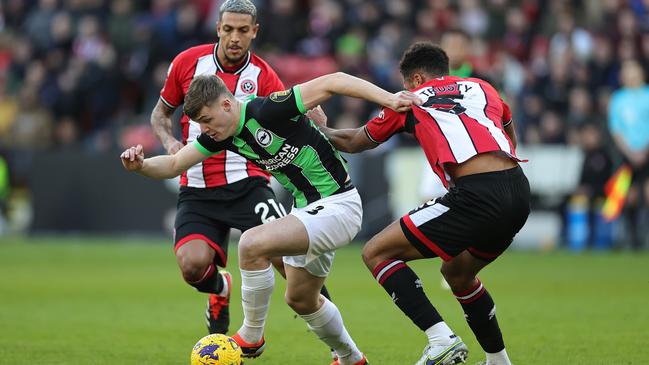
(372, 255)
(192, 267)
(250, 245)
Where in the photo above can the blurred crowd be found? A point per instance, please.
(85, 74)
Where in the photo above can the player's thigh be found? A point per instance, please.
(390, 243)
(330, 223)
(196, 226)
(281, 237)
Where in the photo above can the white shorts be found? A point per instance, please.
(331, 223)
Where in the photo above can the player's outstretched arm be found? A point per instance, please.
(318, 90)
(345, 140)
(161, 167)
(349, 140)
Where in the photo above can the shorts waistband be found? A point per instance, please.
(510, 174)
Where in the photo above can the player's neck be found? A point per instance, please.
(237, 109)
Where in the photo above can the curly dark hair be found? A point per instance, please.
(424, 57)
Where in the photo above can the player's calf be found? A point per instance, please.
(480, 313)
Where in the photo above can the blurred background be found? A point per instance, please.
(79, 78)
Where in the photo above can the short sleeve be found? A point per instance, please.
(280, 105)
(387, 123)
(507, 113)
(271, 83)
(207, 146)
(172, 92)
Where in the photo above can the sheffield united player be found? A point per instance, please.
(467, 134)
(225, 191)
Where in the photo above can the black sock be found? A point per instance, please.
(407, 292)
(211, 282)
(480, 313)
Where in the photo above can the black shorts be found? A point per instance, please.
(209, 213)
(481, 214)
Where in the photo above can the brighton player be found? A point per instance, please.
(467, 135)
(225, 191)
(273, 133)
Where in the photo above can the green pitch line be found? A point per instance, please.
(108, 301)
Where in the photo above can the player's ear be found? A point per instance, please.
(226, 104)
(417, 79)
(255, 29)
(218, 29)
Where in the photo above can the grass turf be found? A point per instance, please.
(122, 301)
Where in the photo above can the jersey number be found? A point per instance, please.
(445, 104)
(263, 209)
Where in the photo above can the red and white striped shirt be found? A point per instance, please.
(459, 118)
(253, 77)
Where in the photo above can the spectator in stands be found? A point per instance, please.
(596, 169)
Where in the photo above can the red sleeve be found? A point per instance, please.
(382, 127)
(172, 93)
(507, 113)
(270, 82)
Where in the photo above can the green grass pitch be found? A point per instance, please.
(109, 301)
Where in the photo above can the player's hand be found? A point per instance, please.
(173, 146)
(403, 101)
(318, 116)
(133, 158)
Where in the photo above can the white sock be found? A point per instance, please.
(499, 358)
(327, 324)
(440, 334)
(256, 289)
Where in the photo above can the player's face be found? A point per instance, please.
(217, 119)
(236, 32)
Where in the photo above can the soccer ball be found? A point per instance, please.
(216, 349)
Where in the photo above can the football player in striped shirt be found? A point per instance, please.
(468, 137)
